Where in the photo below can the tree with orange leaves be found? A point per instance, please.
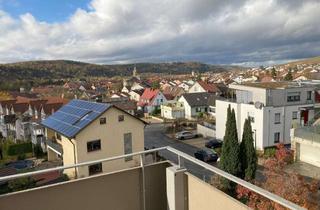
(292, 187)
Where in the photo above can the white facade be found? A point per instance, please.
(271, 124)
(191, 112)
(172, 111)
(196, 88)
(134, 96)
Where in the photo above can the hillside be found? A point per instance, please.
(308, 61)
(61, 69)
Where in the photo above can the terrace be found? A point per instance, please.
(155, 184)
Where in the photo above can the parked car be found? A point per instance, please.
(186, 135)
(213, 143)
(206, 155)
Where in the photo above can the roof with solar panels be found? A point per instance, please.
(70, 119)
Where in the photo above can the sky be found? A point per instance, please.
(242, 32)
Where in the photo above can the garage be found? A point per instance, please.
(309, 154)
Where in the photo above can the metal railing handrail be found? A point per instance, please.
(180, 154)
(60, 168)
(237, 180)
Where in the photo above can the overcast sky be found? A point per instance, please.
(126, 31)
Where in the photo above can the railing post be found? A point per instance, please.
(179, 161)
(143, 182)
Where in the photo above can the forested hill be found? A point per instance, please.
(59, 69)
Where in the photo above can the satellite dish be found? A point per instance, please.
(258, 105)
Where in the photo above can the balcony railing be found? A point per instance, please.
(180, 157)
(311, 133)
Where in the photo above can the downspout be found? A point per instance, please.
(74, 157)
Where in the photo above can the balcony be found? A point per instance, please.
(155, 184)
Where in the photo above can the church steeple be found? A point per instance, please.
(135, 73)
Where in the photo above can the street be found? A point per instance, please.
(155, 137)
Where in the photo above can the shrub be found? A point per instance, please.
(17, 149)
(269, 152)
(38, 151)
(21, 156)
(21, 184)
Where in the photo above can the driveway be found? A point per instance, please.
(197, 142)
(155, 137)
(304, 169)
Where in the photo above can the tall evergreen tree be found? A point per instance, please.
(288, 76)
(273, 72)
(229, 160)
(248, 155)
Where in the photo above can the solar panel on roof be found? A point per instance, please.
(74, 116)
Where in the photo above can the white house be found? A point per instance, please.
(196, 103)
(135, 94)
(274, 108)
(203, 87)
(172, 110)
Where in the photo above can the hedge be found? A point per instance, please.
(17, 149)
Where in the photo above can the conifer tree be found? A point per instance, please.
(288, 76)
(229, 160)
(248, 155)
(273, 73)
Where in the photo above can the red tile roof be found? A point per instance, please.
(147, 96)
(20, 107)
(210, 88)
(51, 108)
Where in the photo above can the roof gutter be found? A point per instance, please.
(74, 158)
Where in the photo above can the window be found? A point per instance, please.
(276, 137)
(103, 120)
(293, 96)
(309, 94)
(93, 145)
(198, 109)
(277, 118)
(206, 109)
(58, 136)
(127, 145)
(121, 118)
(294, 115)
(95, 168)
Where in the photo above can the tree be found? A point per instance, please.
(155, 85)
(273, 73)
(288, 76)
(229, 160)
(292, 187)
(248, 155)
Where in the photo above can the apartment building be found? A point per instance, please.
(85, 131)
(273, 107)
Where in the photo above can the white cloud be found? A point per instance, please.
(213, 31)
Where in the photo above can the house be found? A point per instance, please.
(196, 103)
(151, 99)
(185, 86)
(305, 142)
(267, 78)
(203, 87)
(273, 109)
(136, 94)
(84, 131)
(174, 110)
(126, 105)
(173, 93)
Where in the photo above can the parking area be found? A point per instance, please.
(196, 142)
